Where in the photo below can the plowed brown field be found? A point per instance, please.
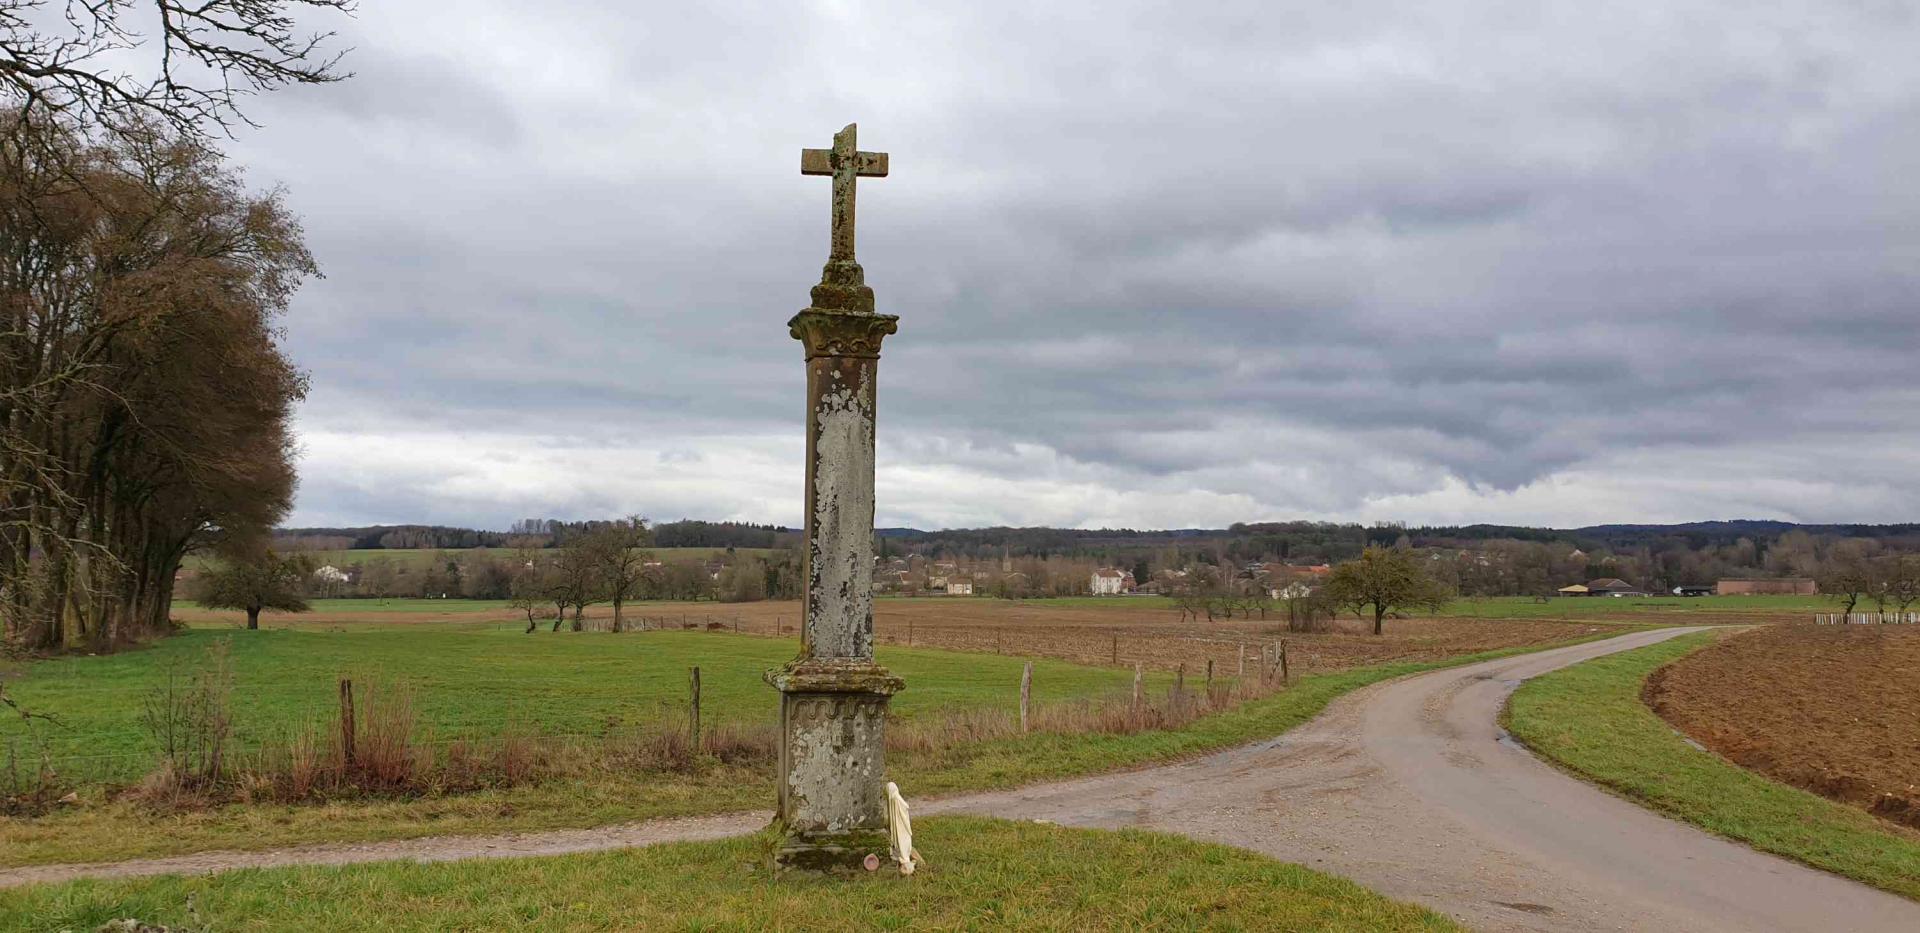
(1834, 709)
(1117, 632)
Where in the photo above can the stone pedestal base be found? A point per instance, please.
(833, 798)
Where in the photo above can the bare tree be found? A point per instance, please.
(1848, 573)
(577, 579)
(617, 548)
(1899, 580)
(256, 582)
(122, 64)
(1384, 580)
(532, 587)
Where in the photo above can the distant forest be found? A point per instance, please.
(532, 532)
(1487, 560)
(1320, 542)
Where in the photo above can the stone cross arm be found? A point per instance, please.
(846, 164)
(820, 162)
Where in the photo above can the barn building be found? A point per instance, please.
(1775, 586)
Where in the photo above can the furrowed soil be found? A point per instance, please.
(1104, 632)
(1828, 708)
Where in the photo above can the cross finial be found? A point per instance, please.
(846, 163)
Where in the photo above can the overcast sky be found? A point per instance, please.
(1157, 265)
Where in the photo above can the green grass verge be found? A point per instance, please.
(103, 831)
(1589, 719)
(983, 874)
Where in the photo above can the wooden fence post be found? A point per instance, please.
(346, 722)
(1243, 661)
(1209, 672)
(1026, 694)
(1116, 647)
(693, 719)
(1285, 676)
(1136, 686)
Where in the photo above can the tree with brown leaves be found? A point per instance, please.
(144, 400)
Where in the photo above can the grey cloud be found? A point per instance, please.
(1287, 258)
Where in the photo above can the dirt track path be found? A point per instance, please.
(1407, 787)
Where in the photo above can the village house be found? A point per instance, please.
(1110, 582)
(1286, 581)
(1605, 586)
(959, 587)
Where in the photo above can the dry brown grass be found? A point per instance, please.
(392, 758)
(1116, 714)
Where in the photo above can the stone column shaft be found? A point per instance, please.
(834, 698)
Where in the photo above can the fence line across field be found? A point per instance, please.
(1866, 618)
(996, 639)
(19, 761)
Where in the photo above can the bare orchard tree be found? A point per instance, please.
(257, 581)
(1201, 590)
(1848, 573)
(1384, 580)
(122, 64)
(617, 548)
(1899, 581)
(533, 586)
(577, 579)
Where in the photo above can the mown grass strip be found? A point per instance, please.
(1589, 719)
(983, 874)
(120, 831)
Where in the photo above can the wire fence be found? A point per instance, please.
(1231, 650)
(1866, 618)
(674, 735)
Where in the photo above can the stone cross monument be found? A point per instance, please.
(833, 697)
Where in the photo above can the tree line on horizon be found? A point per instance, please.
(1476, 560)
(527, 533)
(612, 563)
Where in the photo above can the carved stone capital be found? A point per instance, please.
(831, 332)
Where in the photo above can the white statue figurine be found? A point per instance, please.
(900, 828)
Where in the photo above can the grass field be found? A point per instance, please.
(108, 830)
(479, 679)
(1589, 718)
(1109, 632)
(982, 874)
